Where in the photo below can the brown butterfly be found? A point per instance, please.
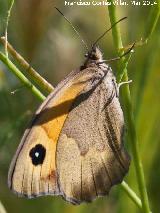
(74, 144)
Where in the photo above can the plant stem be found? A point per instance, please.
(152, 22)
(121, 72)
(7, 21)
(129, 116)
(131, 194)
(21, 77)
(2, 209)
(39, 80)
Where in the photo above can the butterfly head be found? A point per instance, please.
(94, 56)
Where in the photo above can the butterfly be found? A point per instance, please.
(73, 146)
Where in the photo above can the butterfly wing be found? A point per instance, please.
(33, 170)
(90, 156)
(87, 122)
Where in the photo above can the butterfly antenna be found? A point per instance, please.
(84, 43)
(108, 30)
(121, 56)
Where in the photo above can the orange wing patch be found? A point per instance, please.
(57, 114)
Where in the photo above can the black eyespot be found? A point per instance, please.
(37, 154)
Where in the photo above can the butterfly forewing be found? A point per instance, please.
(33, 169)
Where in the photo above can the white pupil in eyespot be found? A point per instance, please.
(36, 154)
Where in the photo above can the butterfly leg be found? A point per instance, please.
(124, 82)
(120, 84)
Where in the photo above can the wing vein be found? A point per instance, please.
(112, 139)
(106, 170)
(32, 182)
(81, 179)
(93, 178)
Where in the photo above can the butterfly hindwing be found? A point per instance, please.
(90, 154)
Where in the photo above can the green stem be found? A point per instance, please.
(152, 22)
(7, 21)
(131, 194)
(126, 97)
(2, 209)
(21, 77)
(121, 73)
(35, 76)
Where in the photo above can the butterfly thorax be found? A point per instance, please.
(94, 59)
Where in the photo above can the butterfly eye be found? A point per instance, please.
(93, 57)
(37, 154)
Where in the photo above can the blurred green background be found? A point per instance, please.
(48, 43)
